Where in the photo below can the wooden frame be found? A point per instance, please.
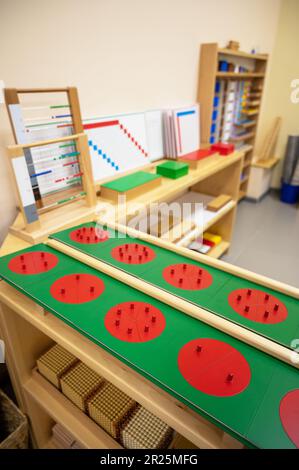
(12, 97)
(16, 155)
(208, 74)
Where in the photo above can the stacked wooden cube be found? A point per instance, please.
(54, 363)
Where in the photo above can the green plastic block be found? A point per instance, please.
(173, 169)
(125, 183)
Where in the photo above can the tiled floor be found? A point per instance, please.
(266, 239)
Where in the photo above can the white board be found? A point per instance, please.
(154, 134)
(116, 144)
(186, 124)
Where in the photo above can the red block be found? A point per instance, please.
(197, 155)
(222, 148)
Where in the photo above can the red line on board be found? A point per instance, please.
(100, 124)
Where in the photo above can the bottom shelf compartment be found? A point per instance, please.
(63, 411)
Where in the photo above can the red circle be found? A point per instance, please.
(77, 288)
(133, 253)
(187, 276)
(33, 262)
(214, 367)
(258, 306)
(135, 322)
(89, 235)
(289, 415)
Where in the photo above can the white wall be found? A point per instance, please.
(284, 68)
(123, 55)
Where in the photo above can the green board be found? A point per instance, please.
(252, 415)
(173, 169)
(213, 298)
(125, 183)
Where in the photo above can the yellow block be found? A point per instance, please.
(212, 237)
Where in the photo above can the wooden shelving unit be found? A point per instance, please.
(209, 74)
(28, 334)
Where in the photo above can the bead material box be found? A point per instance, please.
(54, 363)
(79, 384)
(110, 407)
(131, 185)
(145, 431)
(172, 169)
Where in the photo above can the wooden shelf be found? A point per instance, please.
(247, 125)
(64, 412)
(246, 148)
(247, 163)
(246, 55)
(244, 180)
(219, 250)
(241, 75)
(242, 137)
(242, 194)
(195, 233)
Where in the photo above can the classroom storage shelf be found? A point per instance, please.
(45, 405)
(211, 99)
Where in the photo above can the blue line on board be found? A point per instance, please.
(103, 155)
(41, 174)
(185, 113)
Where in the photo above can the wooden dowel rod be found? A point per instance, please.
(226, 326)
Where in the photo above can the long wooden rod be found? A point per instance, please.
(215, 263)
(226, 326)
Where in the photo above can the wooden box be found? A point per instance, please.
(54, 363)
(110, 407)
(130, 186)
(145, 431)
(80, 384)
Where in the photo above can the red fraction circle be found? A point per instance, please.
(257, 306)
(33, 262)
(135, 322)
(77, 288)
(289, 415)
(187, 276)
(89, 235)
(214, 367)
(133, 253)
